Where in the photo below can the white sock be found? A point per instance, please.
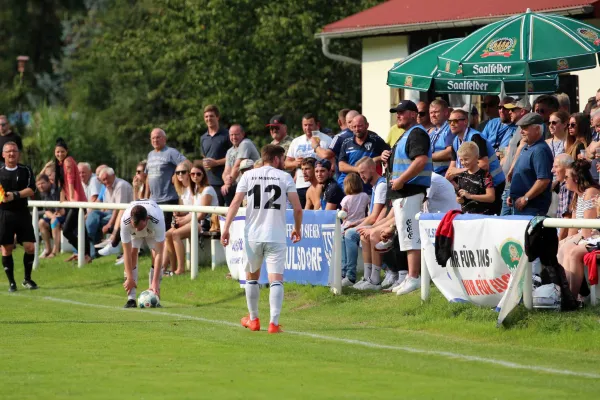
(252, 296)
(375, 274)
(367, 271)
(132, 292)
(276, 300)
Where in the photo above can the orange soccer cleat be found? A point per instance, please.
(275, 328)
(252, 324)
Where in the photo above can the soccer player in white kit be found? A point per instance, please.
(267, 189)
(142, 221)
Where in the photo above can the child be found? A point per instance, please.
(474, 187)
(356, 202)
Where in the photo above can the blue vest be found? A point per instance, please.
(379, 182)
(438, 143)
(495, 168)
(402, 162)
(498, 134)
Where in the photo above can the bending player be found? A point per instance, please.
(142, 220)
(267, 188)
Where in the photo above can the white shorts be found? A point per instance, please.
(405, 210)
(274, 254)
(138, 242)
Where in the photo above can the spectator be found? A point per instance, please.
(160, 168)
(215, 143)
(545, 105)
(558, 132)
(396, 132)
(530, 186)
(205, 194)
(278, 130)
(242, 148)
(331, 194)
(473, 118)
(572, 249)
(594, 133)
(351, 236)
(487, 157)
(69, 185)
(440, 197)
(333, 152)
(49, 170)
(313, 194)
(489, 107)
(302, 147)
(441, 136)
(100, 197)
(499, 131)
(564, 103)
(580, 135)
(355, 203)
(91, 185)
(474, 186)
(52, 218)
(118, 191)
(422, 117)
(180, 228)
(559, 186)
(139, 181)
(411, 176)
(7, 135)
(362, 144)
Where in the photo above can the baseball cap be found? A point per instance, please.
(405, 105)
(521, 103)
(531, 119)
(324, 163)
(276, 120)
(246, 164)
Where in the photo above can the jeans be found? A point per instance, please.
(506, 209)
(94, 222)
(350, 241)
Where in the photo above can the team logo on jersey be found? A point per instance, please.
(590, 35)
(562, 64)
(368, 146)
(511, 252)
(408, 81)
(502, 47)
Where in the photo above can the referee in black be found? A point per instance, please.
(19, 184)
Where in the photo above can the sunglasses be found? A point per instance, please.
(180, 172)
(455, 121)
(554, 122)
(572, 125)
(196, 174)
(274, 128)
(422, 113)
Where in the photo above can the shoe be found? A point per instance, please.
(390, 278)
(370, 286)
(72, 257)
(384, 247)
(358, 284)
(410, 285)
(44, 254)
(275, 328)
(400, 281)
(29, 284)
(252, 324)
(12, 287)
(120, 260)
(109, 249)
(347, 282)
(102, 244)
(130, 304)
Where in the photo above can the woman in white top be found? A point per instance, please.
(204, 194)
(175, 254)
(572, 249)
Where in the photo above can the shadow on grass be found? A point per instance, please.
(91, 285)
(103, 322)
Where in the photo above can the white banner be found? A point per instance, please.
(484, 253)
(234, 253)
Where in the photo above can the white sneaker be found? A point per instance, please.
(390, 278)
(370, 286)
(400, 281)
(358, 284)
(109, 249)
(120, 260)
(102, 244)
(347, 282)
(383, 247)
(410, 285)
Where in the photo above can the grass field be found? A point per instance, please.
(72, 339)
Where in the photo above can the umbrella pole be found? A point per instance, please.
(527, 83)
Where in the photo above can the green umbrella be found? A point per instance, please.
(526, 43)
(419, 70)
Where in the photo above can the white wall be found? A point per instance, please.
(378, 56)
(589, 80)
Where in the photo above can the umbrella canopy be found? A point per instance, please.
(530, 42)
(419, 71)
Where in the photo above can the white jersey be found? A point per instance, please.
(302, 147)
(266, 189)
(155, 228)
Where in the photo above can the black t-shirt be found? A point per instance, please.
(480, 142)
(215, 147)
(417, 144)
(16, 180)
(332, 193)
(476, 183)
(11, 137)
(50, 195)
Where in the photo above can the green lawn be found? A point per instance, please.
(72, 339)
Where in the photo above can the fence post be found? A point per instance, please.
(194, 245)
(336, 283)
(36, 232)
(425, 278)
(81, 238)
(528, 286)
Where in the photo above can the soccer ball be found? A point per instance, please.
(148, 299)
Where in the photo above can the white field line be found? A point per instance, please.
(406, 349)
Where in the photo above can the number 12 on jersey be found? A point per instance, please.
(273, 190)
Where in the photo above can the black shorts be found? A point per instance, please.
(18, 223)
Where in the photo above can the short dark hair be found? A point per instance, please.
(310, 116)
(309, 161)
(212, 108)
(270, 151)
(138, 214)
(43, 177)
(548, 100)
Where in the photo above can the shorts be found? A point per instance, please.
(18, 223)
(138, 242)
(60, 220)
(274, 254)
(405, 210)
